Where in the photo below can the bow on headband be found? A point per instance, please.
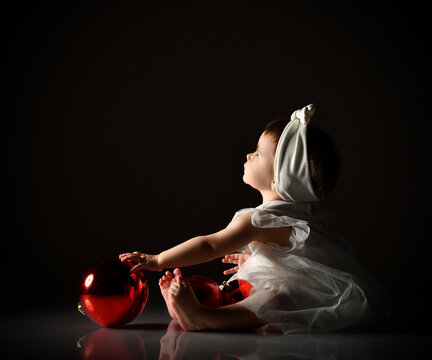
(291, 165)
(304, 115)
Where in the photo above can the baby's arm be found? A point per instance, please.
(197, 250)
(201, 249)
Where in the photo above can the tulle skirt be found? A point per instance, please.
(297, 294)
(316, 283)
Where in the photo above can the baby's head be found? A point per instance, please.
(322, 156)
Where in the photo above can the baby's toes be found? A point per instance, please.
(177, 272)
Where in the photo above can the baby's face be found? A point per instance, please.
(258, 170)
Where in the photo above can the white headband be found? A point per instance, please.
(291, 165)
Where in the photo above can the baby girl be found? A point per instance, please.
(303, 277)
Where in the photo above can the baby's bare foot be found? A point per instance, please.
(185, 304)
(164, 284)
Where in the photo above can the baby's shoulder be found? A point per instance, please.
(241, 222)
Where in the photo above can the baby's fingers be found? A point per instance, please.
(231, 271)
(132, 257)
(229, 261)
(137, 268)
(126, 255)
(231, 258)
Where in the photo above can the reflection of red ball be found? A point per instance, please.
(206, 290)
(111, 295)
(111, 344)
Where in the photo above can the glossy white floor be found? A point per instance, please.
(70, 335)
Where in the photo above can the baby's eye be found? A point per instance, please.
(256, 153)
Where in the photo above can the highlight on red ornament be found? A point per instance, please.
(110, 295)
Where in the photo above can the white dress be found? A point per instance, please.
(315, 284)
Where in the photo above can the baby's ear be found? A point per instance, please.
(273, 185)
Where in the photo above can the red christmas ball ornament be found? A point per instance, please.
(235, 291)
(206, 290)
(110, 295)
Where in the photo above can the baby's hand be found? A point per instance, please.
(144, 261)
(236, 258)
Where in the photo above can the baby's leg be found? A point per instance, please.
(193, 316)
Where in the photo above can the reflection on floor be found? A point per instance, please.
(69, 335)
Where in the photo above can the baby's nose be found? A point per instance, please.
(248, 156)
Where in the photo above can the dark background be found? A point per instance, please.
(126, 126)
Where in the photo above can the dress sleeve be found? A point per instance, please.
(264, 219)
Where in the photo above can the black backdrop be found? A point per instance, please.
(127, 123)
